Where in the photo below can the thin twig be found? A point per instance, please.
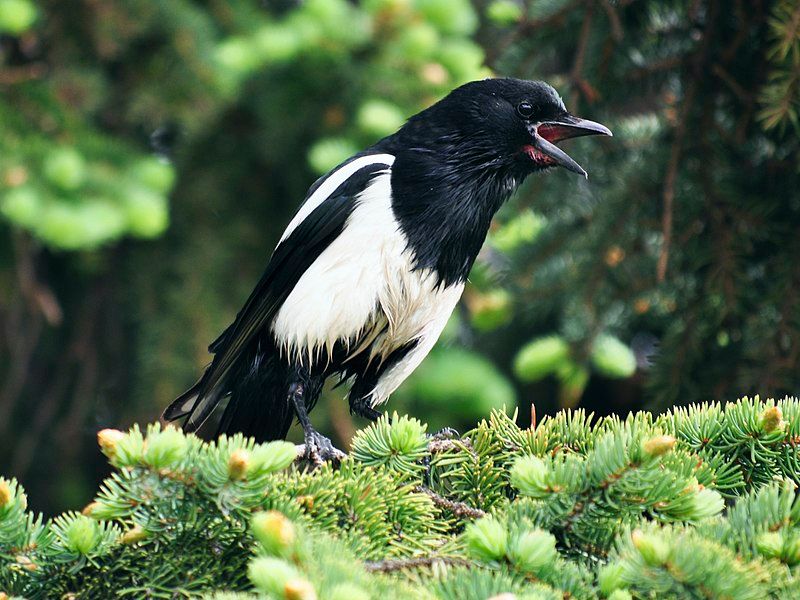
(400, 564)
(439, 446)
(582, 86)
(616, 25)
(668, 194)
(15, 75)
(459, 509)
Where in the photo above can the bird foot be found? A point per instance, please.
(319, 449)
(446, 433)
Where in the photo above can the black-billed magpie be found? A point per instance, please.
(368, 271)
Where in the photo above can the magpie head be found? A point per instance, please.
(506, 124)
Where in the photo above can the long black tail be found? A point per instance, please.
(258, 404)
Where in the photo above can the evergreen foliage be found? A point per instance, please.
(699, 502)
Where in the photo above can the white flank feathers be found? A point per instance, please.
(361, 282)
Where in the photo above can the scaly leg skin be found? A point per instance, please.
(319, 449)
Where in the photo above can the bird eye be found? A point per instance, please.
(525, 110)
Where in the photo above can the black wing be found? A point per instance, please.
(292, 257)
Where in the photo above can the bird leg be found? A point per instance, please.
(361, 407)
(319, 449)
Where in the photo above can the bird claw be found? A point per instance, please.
(319, 449)
(446, 433)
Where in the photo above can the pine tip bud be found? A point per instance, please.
(653, 548)
(487, 539)
(299, 589)
(6, 495)
(274, 531)
(90, 509)
(108, 440)
(26, 563)
(658, 445)
(133, 535)
(772, 419)
(238, 463)
(533, 550)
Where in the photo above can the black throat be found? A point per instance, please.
(444, 200)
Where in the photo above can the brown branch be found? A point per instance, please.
(696, 75)
(576, 74)
(459, 509)
(741, 93)
(37, 293)
(14, 75)
(665, 64)
(401, 564)
(616, 25)
(437, 446)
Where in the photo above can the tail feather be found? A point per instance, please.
(183, 404)
(195, 405)
(259, 406)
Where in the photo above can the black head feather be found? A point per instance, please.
(459, 160)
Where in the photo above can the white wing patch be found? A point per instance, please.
(337, 297)
(362, 289)
(330, 185)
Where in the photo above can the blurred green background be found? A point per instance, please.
(151, 152)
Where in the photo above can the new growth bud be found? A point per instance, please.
(270, 575)
(529, 476)
(407, 435)
(653, 548)
(486, 539)
(533, 550)
(26, 563)
(82, 534)
(238, 463)
(108, 439)
(6, 495)
(274, 531)
(770, 544)
(90, 509)
(706, 503)
(299, 589)
(611, 577)
(165, 448)
(133, 535)
(658, 445)
(772, 419)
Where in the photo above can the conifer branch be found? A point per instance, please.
(459, 509)
(394, 565)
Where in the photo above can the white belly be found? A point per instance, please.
(362, 290)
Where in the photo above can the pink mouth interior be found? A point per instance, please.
(555, 133)
(537, 156)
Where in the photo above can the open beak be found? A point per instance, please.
(547, 134)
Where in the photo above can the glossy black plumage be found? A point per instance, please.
(446, 172)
